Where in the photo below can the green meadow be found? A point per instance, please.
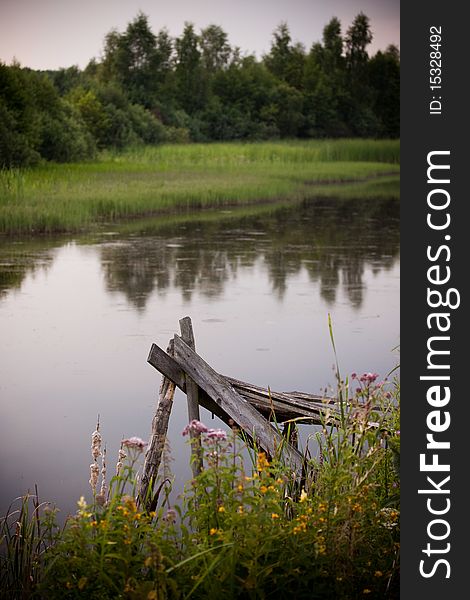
(148, 181)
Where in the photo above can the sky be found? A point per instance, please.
(50, 34)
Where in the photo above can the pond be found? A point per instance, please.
(78, 316)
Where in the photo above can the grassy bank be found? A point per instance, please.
(180, 178)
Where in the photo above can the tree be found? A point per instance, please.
(333, 45)
(285, 60)
(132, 59)
(384, 78)
(358, 37)
(215, 48)
(190, 80)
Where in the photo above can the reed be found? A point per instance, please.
(149, 180)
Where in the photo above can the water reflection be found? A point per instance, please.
(78, 318)
(332, 243)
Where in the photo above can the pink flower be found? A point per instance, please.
(134, 442)
(216, 434)
(195, 426)
(369, 377)
(353, 375)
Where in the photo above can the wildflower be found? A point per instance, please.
(81, 503)
(274, 516)
(303, 496)
(195, 426)
(240, 510)
(353, 375)
(263, 489)
(129, 502)
(216, 434)
(96, 442)
(240, 488)
(213, 531)
(122, 455)
(221, 509)
(389, 518)
(135, 443)
(378, 574)
(94, 473)
(368, 378)
(262, 462)
(101, 497)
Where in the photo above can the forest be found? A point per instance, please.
(150, 88)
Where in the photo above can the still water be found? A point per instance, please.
(78, 317)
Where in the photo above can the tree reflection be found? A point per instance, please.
(332, 240)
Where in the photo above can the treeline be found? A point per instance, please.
(152, 88)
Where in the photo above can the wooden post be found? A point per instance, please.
(154, 453)
(192, 395)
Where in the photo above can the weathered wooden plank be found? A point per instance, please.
(156, 445)
(167, 366)
(192, 396)
(243, 414)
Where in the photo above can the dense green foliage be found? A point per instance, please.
(245, 527)
(150, 180)
(150, 88)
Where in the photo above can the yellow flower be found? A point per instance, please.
(152, 595)
(137, 516)
(240, 510)
(221, 509)
(240, 488)
(263, 489)
(378, 574)
(148, 561)
(262, 462)
(366, 591)
(213, 531)
(303, 496)
(274, 516)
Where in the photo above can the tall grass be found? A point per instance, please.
(175, 178)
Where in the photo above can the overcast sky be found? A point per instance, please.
(49, 34)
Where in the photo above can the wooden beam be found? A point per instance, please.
(234, 405)
(192, 396)
(156, 445)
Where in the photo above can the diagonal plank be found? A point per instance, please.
(238, 409)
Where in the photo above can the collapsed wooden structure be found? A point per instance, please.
(248, 407)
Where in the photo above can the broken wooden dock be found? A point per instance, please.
(250, 408)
